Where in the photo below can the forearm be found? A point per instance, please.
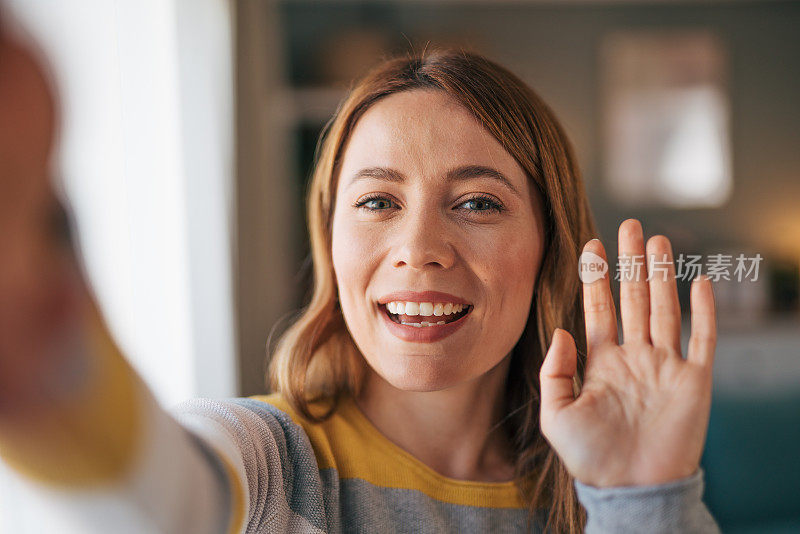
(106, 444)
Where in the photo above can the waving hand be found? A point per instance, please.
(642, 414)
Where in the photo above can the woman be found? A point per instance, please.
(430, 383)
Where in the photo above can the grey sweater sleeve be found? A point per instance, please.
(675, 506)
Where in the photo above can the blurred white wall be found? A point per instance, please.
(146, 92)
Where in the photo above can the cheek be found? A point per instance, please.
(509, 269)
(353, 251)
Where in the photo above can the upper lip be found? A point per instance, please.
(421, 296)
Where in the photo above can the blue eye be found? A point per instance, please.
(375, 203)
(483, 204)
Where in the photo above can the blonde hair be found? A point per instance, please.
(316, 358)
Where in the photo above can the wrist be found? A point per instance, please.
(640, 477)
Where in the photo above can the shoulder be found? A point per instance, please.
(262, 420)
(248, 420)
(277, 405)
(270, 454)
(318, 433)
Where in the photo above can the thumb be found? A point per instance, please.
(555, 376)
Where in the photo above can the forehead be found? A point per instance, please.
(424, 133)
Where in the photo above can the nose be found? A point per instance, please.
(423, 241)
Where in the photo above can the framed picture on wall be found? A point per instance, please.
(666, 135)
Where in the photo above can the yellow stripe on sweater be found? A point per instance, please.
(349, 443)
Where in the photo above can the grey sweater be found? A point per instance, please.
(344, 476)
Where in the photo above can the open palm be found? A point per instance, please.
(642, 413)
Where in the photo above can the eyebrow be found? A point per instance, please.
(457, 174)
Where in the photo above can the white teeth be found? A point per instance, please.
(425, 309)
(424, 323)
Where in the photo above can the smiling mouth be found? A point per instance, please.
(422, 321)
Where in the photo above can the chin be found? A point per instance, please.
(419, 373)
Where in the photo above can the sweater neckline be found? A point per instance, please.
(350, 410)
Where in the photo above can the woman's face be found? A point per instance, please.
(432, 211)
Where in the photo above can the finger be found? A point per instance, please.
(665, 309)
(558, 369)
(598, 303)
(634, 290)
(703, 339)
